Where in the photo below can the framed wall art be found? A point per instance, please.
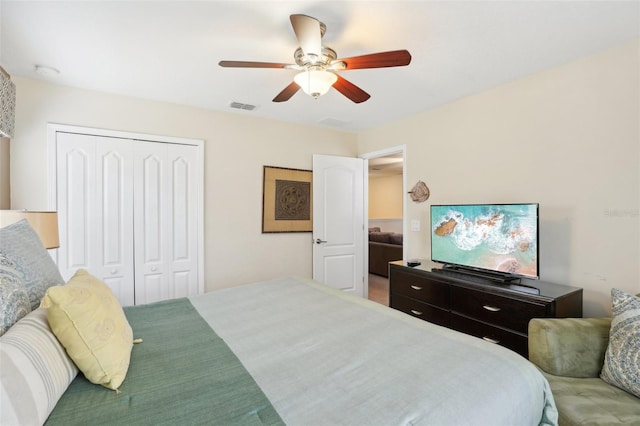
(286, 200)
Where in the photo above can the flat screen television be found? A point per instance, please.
(499, 240)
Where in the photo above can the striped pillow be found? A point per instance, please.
(35, 371)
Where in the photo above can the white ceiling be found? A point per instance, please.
(169, 50)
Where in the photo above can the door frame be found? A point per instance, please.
(52, 173)
(400, 149)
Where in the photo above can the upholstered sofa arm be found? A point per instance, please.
(570, 347)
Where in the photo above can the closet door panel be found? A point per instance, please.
(183, 284)
(152, 222)
(75, 203)
(114, 217)
(184, 186)
(95, 210)
(165, 205)
(151, 199)
(153, 289)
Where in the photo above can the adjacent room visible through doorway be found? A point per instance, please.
(385, 216)
(379, 289)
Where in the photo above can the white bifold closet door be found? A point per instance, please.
(127, 211)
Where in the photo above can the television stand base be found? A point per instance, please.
(501, 278)
(513, 283)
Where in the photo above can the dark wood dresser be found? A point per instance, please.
(496, 312)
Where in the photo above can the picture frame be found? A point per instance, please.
(287, 200)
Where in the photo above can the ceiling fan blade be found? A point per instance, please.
(249, 64)
(308, 33)
(395, 58)
(350, 90)
(287, 93)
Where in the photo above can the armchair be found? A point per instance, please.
(570, 352)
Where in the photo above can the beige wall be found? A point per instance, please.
(567, 138)
(385, 197)
(5, 177)
(236, 149)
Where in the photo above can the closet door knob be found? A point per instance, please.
(153, 269)
(114, 271)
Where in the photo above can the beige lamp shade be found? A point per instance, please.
(44, 223)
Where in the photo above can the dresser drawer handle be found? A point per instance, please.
(490, 340)
(416, 287)
(491, 308)
(414, 312)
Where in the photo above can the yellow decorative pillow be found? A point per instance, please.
(89, 322)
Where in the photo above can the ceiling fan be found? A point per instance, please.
(318, 64)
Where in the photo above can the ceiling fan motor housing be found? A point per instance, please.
(305, 61)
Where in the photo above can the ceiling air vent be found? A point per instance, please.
(240, 105)
(333, 122)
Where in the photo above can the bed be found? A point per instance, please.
(292, 351)
(285, 351)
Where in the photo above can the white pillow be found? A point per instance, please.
(35, 371)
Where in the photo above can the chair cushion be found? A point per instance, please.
(621, 359)
(571, 347)
(591, 402)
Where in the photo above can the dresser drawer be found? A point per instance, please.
(420, 310)
(514, 341)
(494, 309)
(421, 288)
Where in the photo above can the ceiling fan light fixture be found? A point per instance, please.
(315, 83)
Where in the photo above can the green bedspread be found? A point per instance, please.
(212, 387)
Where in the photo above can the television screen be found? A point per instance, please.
(500, 238)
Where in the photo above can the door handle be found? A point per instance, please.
(319, 241)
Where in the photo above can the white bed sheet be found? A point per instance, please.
(324, 357)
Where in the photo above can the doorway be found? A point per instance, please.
(385, 207)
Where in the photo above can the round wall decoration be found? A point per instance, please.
(419, 192)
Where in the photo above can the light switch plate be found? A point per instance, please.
(415, 225)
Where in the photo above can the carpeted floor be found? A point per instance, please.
(379, 289)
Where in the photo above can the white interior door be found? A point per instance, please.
(338, 222)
